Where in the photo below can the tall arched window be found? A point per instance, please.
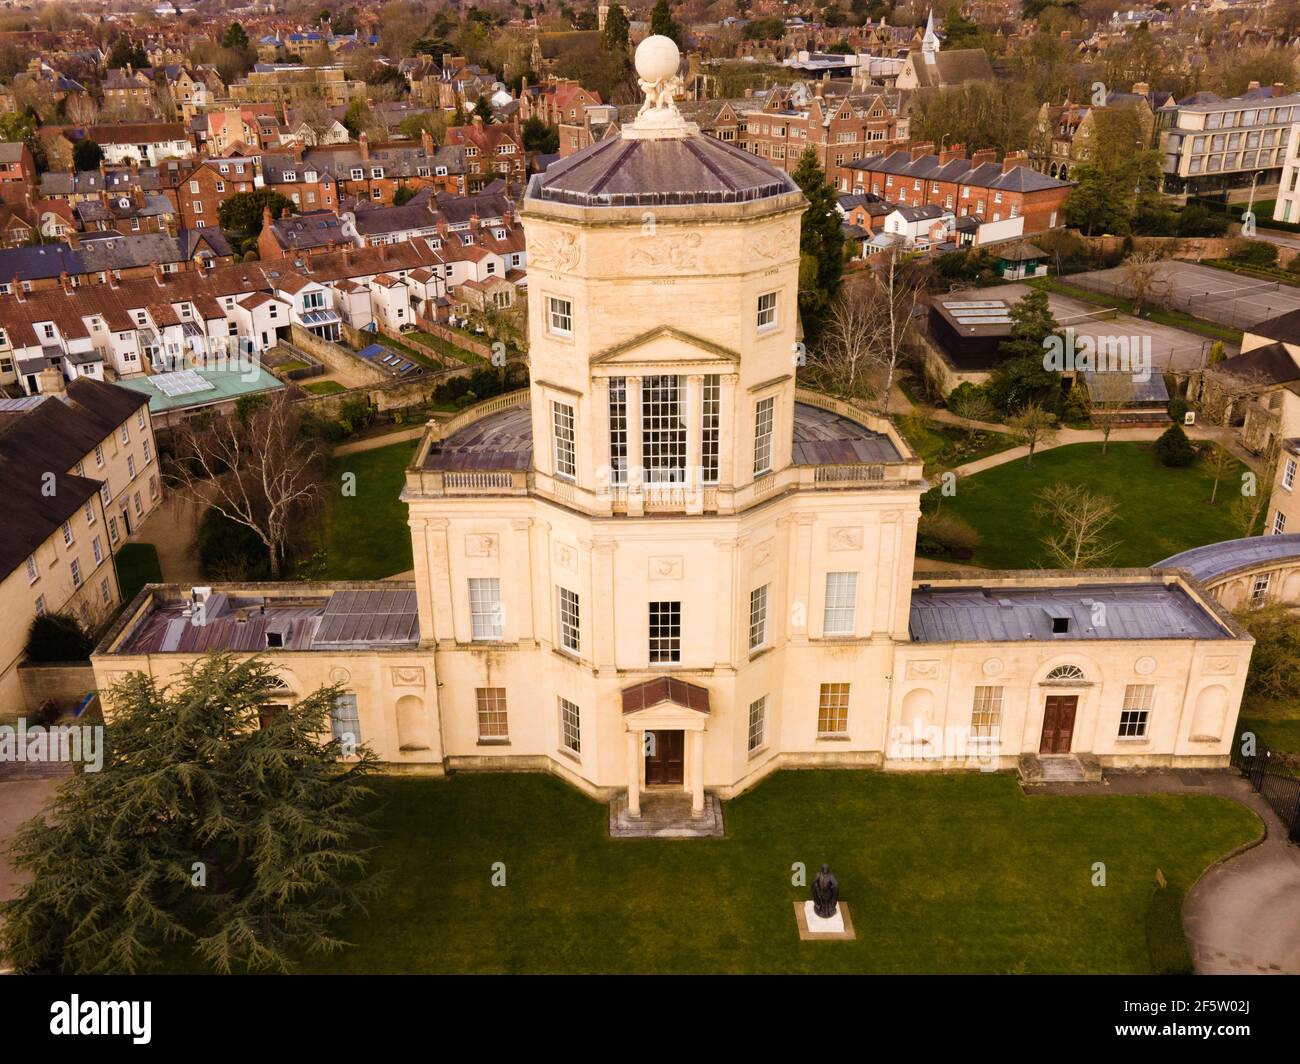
(1065, 673)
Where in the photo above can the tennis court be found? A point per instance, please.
(1170, 348)
(1205, 292)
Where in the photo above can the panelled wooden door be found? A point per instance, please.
(663, 757)
(1058, 724)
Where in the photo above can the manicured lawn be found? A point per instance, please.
(937, 444)
(1161, 511)
(366, 534)
(942, 873)
(323, 387)
(137, 565)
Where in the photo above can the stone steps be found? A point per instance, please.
(1058, 768)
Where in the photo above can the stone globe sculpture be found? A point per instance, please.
(657, 59)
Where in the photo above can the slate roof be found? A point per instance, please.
(1271, 364)
(958, 171)
(1217, 560)
(1284, 327)
(52, 436)
(1025, 614)
(692, 170)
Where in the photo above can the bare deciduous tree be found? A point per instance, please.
(258, 471)
(1247, 510)
(1079, 518)
(1108, 395)
(1219, 463)
(970, 406)
(1145, 278)
(865, 335)
(1033, 427)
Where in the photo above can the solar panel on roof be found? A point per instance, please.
(181, 382)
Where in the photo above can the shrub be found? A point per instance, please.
(58, 637)
(1177, 409)
(1174, 448)
(1275, 662)
(229, 550)
(946, 534)
(1254, 253)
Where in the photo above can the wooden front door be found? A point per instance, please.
(663, 757)
(1058, 724)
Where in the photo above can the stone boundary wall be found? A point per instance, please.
(63, 683)
(1185, 248)
(336, 357)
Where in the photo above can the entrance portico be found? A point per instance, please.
(665, 720)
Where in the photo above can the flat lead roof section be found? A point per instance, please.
(1005, 615)
(1218, 559)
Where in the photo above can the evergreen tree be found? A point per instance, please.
(662, 22)
(236, 36)
(218, 825)
(617, 29)
(1032, 322)
(124, 53)
(821, 246)
(483, 110)
(87, 155)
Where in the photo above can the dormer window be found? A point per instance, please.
(376, 172)
(291, 175)
(357, 173)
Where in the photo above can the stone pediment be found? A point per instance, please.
(665, 346)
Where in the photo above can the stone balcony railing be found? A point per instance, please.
(635, 499)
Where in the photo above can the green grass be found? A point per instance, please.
(1274, 732)
(324, 388)
(292, 365)
(447, 349)
(366, 535)
(942, 873)
(941, 445)
(1160, 315)
(137, 565)
(1160, 511)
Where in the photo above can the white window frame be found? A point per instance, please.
(559, 316)
(568, 613)
(840, 608)
(766, 316)
(758, 617)
(487, 617)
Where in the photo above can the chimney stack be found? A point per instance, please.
(925, 147)
(364, 141)
(156, 266)
(984, 155)
(426, 142)
(957, 151)
(1013, 159)
(1252, 85)
(65, 281)
(1141, 88)
(16, 287)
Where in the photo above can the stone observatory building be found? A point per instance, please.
(666, 567)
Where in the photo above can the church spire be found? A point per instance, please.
(930, 42)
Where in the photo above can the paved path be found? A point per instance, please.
(373, 443)
(173, 529)
(1243, 916)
